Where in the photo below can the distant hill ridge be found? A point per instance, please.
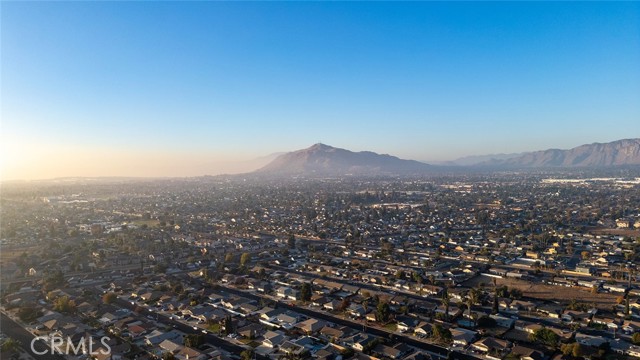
(321, 159)
(325, 160)
(620, 152)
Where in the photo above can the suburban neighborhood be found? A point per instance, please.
(490, 267)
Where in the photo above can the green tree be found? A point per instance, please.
(566, 349)
(545, 336)
(626, 304)
(439, 333)
(28, 313)
(344, 304)
(160, 268)
(10, 345)
(417, 277)
(109, 297)
(245, 259)
(472, 298)
(262, 274)
(515, 294)
(577, 350)
(383, 311)
(54, 281)
(446, 302)
(486, 322)
(305, 292)
(193, 340)
(636, 338)
(228, 325)
(574, 350)
(64, 305)
(495, 296)
(178, 288)
(247, 355)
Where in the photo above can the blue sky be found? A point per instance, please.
(136, 85)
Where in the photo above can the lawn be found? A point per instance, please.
(391, 327)
(149, 223)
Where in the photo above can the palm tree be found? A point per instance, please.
(472, 298)
(446, 301)
(10, 345)
(495, 296)
(474, 317)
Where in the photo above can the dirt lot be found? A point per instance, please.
(10, 253)
(549, 292)
(633, 233)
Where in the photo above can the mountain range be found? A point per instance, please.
(621, 152)
(325, 160)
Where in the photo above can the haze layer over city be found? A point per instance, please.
(320, 180)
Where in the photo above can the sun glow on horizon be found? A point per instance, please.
(29, 161)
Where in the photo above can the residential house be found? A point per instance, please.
(201, 313)
(264, 287)
(350, 289)
(215, 298)
(430, 289)
(590, 340)
(454, 311)
(503, 321)
(332, 305)
(170, 346)
(575, 316)
(286, 293)
(292, 349)
(620, 346)
(150, 296)
(234, 303)
(188, 353)
(248, 308)
(629, 327)
(273, 339)
(492, 346)
(527, 353)
(526, 326)
(463, 337)
(250, 331)
(156, 337)
(356, 310)
(286, 320)
(331, 334)
(406, 323)
(319, 300)
(550, 310)
(610, 323)
(423, 329)
(387, 352)
(359, 341)
(311, 326)
(328, 352)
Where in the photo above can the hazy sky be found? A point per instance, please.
(188, 88)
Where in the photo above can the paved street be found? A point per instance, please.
(12, 329)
